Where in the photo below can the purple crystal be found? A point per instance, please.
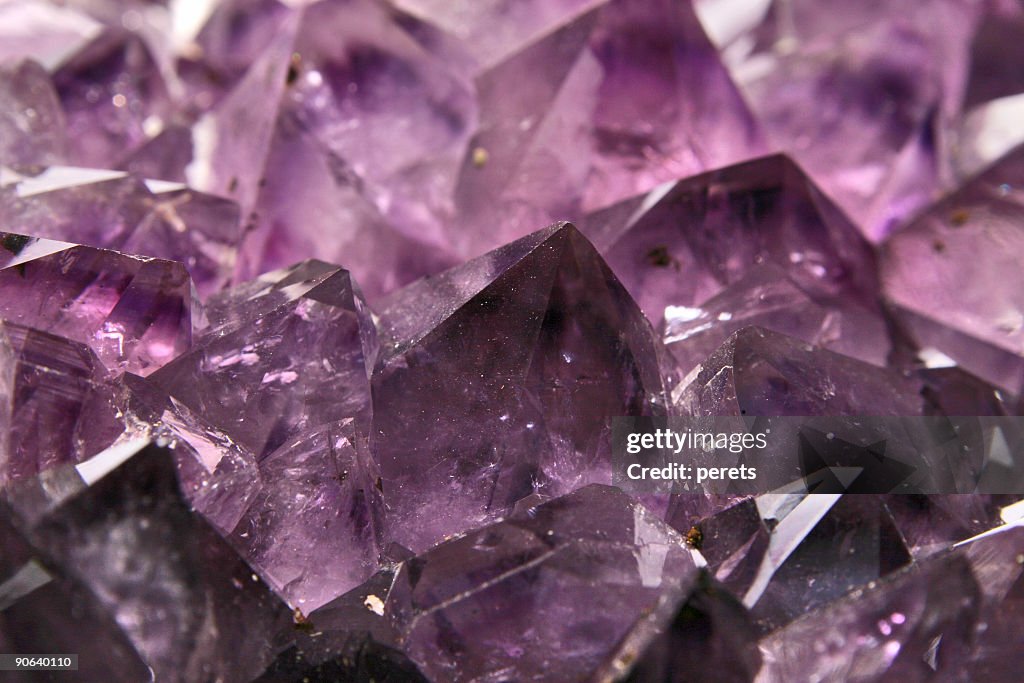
(767, 298)
(113, 210)
(757, 372)
(31, 121)
(631, 95)
(681, 245)
(135, 313)
(914, 625)
(51, 410)
(110, 90)
(463, 429)
(311, 529)
(473, 607)
(194, 613)
(953, 275)
(300, 362)
(864, 119)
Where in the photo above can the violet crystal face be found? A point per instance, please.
(320, 320)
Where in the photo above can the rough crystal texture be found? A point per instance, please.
(499, 381)
(954, 275)
(134, 312)
(110, 90)
(767, 298)
(51, 405)
(631, 95)
(186, 602)
(113, 210)
(31, 120)
(473, 607)
(757, 372)
(297, 357)
(679, 246)
(913, 626)
(864, 119)
(311, 529)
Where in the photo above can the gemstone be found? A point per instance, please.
(51, 403)
(194, 613)
(133, 312)
(31, 120)
(766, 297)
(915, 624)
(297, 357)
(682, 244)
(624, 103)
(111, 92)
(865, 121)
(472, 607)
(953, 277)
(757, 372)
(712, 638)
(311, 530)
(113, 210)
(461, 433)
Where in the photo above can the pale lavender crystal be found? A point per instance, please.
(864, 119)
(313, 203)
(494, 29)
(50, 402)
(134, 312)
(230, 41)
(767, 298)
(954, 275)
(757, 372)
(299, 363)
(311, 530)
(113, 95)
(629, 95)
(31, 120)
(43, 31)
(504, 601)
(231, 141)
(369, 137)
(678, 246)
(733, 541)
(189, 606)
(113, 210)
(499, 380)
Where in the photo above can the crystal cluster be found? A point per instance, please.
(315, 316)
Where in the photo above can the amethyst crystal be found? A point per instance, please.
(222, 459)
(498, 380)
(953, 275)
(296, 356)
(135, 313)
(678, 246)
(504, 600)
(757, 372)
(51, 402)
(192, 614)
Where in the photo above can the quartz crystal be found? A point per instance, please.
(676, 247)
(296, 386)
(194, 613)
(546, 346)
(953, 275)
(474, 607)
(864, 119)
